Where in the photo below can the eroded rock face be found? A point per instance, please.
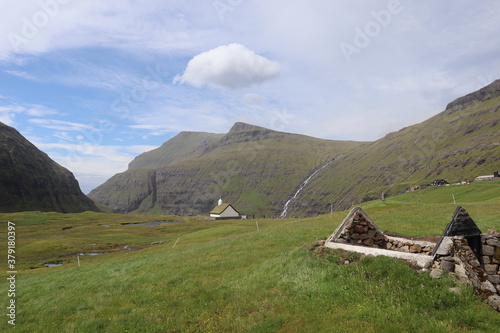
(31, 181)
(481, 95)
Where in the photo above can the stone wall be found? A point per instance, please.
(483, 272)
(409, 245)
(362, 232)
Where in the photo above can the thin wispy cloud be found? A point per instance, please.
(95, 73)
(62, 125)
(21, 74)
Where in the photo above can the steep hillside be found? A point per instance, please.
(261, 171)
(460, 143)
(30, 180)
(182, 147)
(252, 167)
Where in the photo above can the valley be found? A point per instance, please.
(227, 276)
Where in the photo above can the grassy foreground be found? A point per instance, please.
(226, 276)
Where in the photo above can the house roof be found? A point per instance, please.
(221, 208)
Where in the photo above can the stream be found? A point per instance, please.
(304, 184)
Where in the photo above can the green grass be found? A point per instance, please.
(225, 276)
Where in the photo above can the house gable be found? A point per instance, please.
(224, 211)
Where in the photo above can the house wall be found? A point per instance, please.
(229, 212)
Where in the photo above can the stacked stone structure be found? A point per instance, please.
(462, 249)
(362, 231)
(359, 229)
(483, 271)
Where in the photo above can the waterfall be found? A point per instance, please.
(304, 184)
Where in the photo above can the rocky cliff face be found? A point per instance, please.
(30, 180)
(490, 91)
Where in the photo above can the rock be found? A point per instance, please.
(436, 273)
(460, 271)
(445, 246)
(493, 242)
(415, 248)
(358, 229)
(371, 233)
(486, 260)
(494, 302)
(491, 269)
(455, 290)
(368, 242)
(488, 287)
(363, 236)
(448, 266)
(355, 236)
(496, 255)
(495, 279)
(494, 233)
(488, 250)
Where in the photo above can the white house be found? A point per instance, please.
(489, 177)
(224, 211)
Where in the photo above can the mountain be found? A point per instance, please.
(30, 180)
(184, 146)
(460, 143)
(252, 167)
(271, 173)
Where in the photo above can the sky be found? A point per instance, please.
(95, 83)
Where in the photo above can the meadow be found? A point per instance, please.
(239, 275)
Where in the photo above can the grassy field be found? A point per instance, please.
(227, 276)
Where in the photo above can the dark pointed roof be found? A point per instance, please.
(461, 224)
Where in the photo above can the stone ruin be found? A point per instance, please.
(462, 249)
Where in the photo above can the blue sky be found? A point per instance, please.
(95, 83)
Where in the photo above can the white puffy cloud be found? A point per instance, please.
(229, 66)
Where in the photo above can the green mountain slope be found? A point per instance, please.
(30, 180)
(254, 168)
(183, 146)
(261, 171)
(460, 143)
